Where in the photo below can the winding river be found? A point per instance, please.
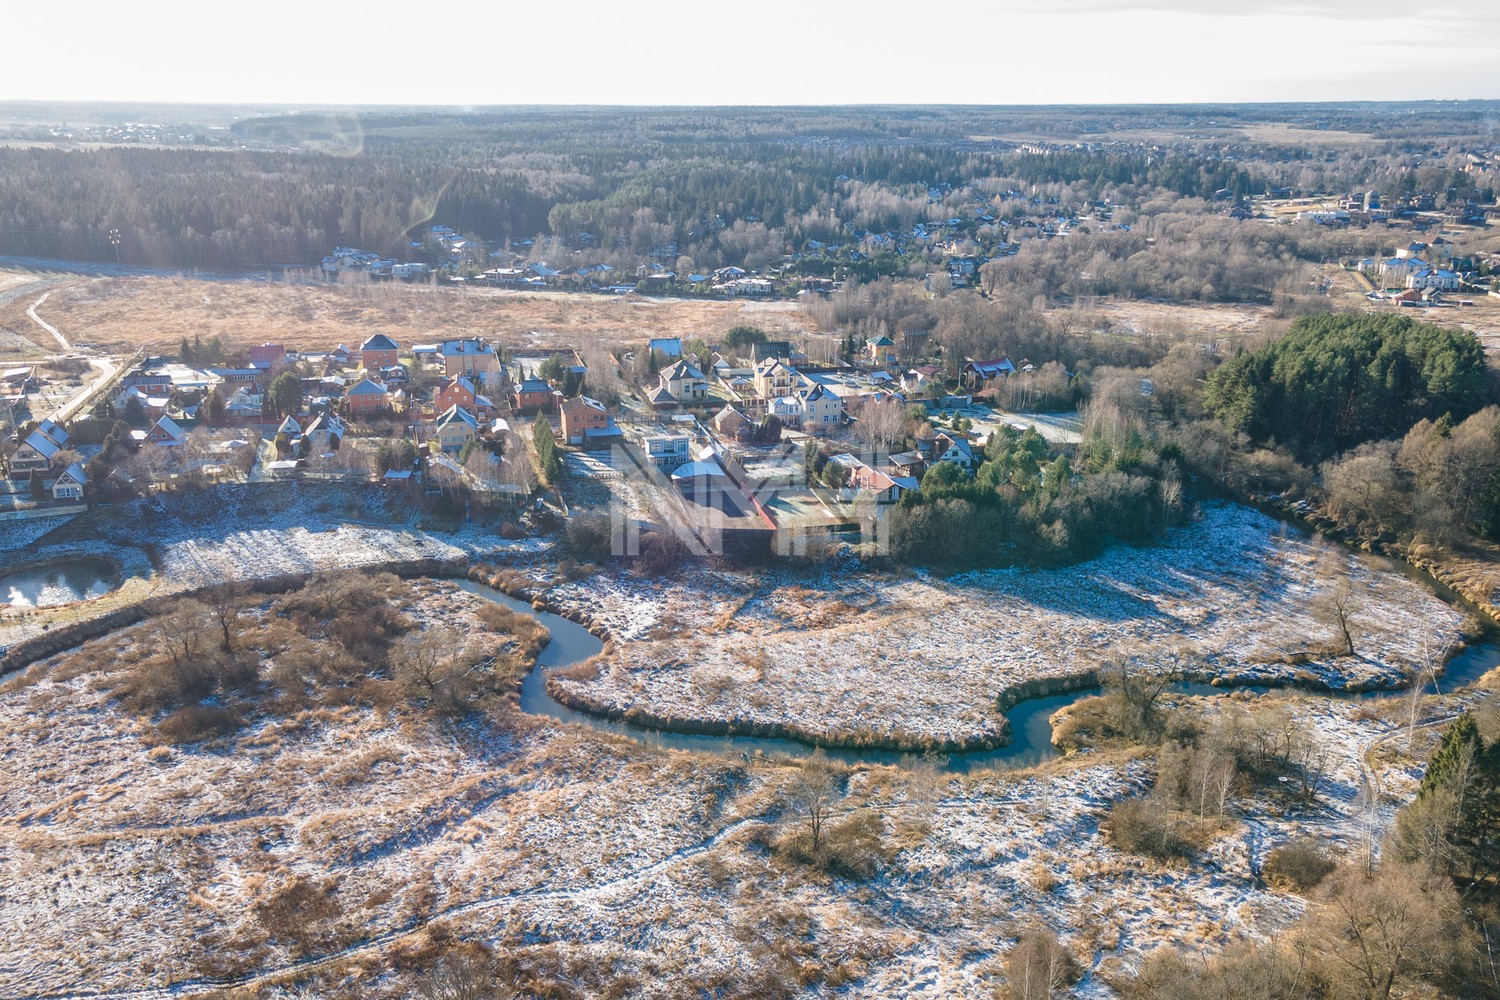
(1031, 733)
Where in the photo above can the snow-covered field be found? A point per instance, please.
(914, 660)
(236, 533)
(354, 839)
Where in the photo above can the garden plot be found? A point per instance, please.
(918, 661)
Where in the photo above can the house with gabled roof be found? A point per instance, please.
(454, 428)
(883, 353)
(56, 432)
(945, 448)
(468, 356)
(685, 382)
(661, 399)
(820, 407)
(978, 374)
(536, 394)
(377, 352)
(35, 454)
(70, 483)
(461, 391)
(733, 424)
(773, 378)
(367, 397)
(166, 432)
(585, 419)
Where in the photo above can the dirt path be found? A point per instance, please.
(198, 987)
(31, 311)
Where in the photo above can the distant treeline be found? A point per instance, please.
(721, 185)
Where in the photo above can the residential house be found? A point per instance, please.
(732, 424)
(773, 379)
(979, 374)
(667, 452)
(378, 352)
(917, 379)
(55, 432)
(535, 395)
(685, 382)
(860, 478)
(661, 399)
(462, 391)
(908, 464)
(35, 454)
(166, 432)
(244, 404)
(473, 358)
(820, 407)
(883, 353)
(455, 428)
(1395, 270)
(321, 431)
(787, 409)
(583, 418)
(268, 356)
(70, 483)
(957, 450)
(782, 349)
(1433, 278)
(367, 398)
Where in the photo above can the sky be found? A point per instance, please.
(757, 52)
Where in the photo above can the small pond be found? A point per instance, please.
(57, 583)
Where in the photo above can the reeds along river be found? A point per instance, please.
(1030, 730)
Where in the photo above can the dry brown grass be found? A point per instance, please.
(121, 313)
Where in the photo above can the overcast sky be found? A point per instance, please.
(750, 52)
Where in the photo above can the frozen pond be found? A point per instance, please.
(57, 583)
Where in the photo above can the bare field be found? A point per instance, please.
(124, 313)
(1148, 318)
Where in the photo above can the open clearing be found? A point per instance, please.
(121, 314)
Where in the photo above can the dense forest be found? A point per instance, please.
(721, 186)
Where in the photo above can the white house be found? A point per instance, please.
(951, 449)
(667, 452)
(1435, 279)
(70, 483)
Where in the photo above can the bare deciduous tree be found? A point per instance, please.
(1038, 967)
(813, 792)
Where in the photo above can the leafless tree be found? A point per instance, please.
(1338, 603)
(813, 792)
(1400, 923)
(881, 426)
(1039, 967)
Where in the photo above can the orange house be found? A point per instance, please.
(462, 392)
(378, 352)
(367, 397)
(580, 415)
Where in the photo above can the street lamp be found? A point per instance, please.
(114, 241)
